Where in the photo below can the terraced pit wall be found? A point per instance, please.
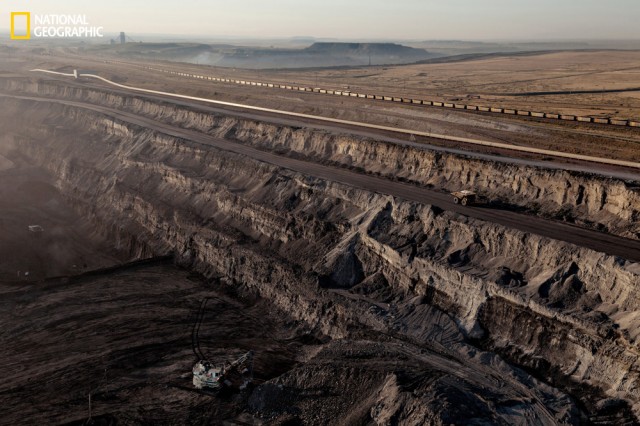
(565, 312)
(592, 201)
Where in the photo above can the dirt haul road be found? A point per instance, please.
(598, 241)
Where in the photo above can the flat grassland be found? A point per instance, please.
(517, 81)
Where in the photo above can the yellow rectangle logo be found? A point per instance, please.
(27, 26)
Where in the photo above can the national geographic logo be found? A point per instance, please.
(52, 26)
(20, 25)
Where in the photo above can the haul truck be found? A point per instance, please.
(465, 197)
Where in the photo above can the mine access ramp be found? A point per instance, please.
(465, 197)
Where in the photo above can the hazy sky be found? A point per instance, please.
(355, 19)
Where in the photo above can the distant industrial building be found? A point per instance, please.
(122, 38)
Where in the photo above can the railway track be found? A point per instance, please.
(413, 133)
(397, 98)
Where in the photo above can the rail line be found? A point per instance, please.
(531, 150)
(400, 99)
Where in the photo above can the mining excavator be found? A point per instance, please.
(234, 375)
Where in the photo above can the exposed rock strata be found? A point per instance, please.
(334, 257)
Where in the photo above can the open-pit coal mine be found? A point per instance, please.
(141, 235)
